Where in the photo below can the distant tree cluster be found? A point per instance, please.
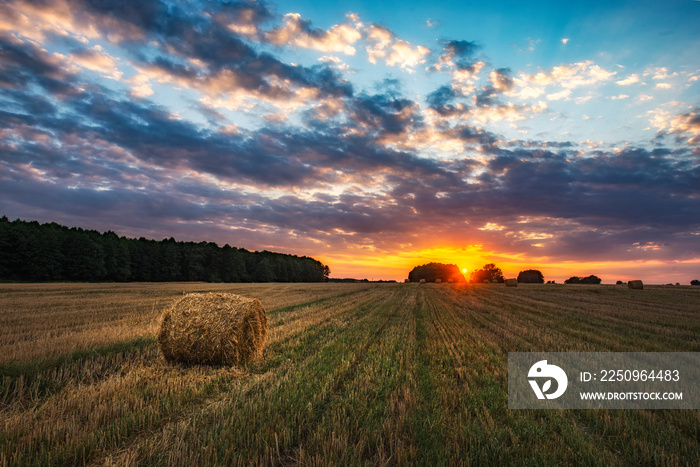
(30, 251)
(489, 273)
(583, 280)
(695, 282)
(434, 271)
(531, 276)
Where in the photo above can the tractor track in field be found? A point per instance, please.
(447, 339)
(290, 455)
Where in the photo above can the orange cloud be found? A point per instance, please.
(295, 31)
(94, 59)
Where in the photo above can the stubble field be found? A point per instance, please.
(352, 374)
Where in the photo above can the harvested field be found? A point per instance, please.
(351, 374)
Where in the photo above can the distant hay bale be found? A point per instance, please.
(407, 281)
(214, 328)
(511, 282)
(637, 285)
(486, 281)
(422, 281)
(438, 281)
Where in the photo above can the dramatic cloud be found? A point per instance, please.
(190, 120)
(501, 80)
(458, 54)
(686, 125)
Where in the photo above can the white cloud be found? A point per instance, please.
(559, 82)
(580, 74)
(140, 86)
(334, 62)
(529, 92)
(632, 79)
(563, 94)
(383, 44)
(507, 112)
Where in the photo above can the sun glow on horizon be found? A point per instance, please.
(397, 264)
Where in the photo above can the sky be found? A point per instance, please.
(372, 136)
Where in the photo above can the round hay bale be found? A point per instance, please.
(637, 285)
(213, 328)
(422, 281)
(511, 282)
(438, 281)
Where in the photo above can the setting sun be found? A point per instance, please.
(464, 271)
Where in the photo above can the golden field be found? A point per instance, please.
(352, 374)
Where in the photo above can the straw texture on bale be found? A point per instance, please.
(638, 285)
(511, 282)
(213, 328)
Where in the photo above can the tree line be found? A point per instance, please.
(35, 252)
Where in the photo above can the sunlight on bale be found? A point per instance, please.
(214, 328)
(511, 282)
(637, 285)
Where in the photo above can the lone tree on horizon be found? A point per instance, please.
(583, 280)
(489, 273)
(531, 276)
(434, 271)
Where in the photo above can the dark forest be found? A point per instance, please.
(35, 252)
